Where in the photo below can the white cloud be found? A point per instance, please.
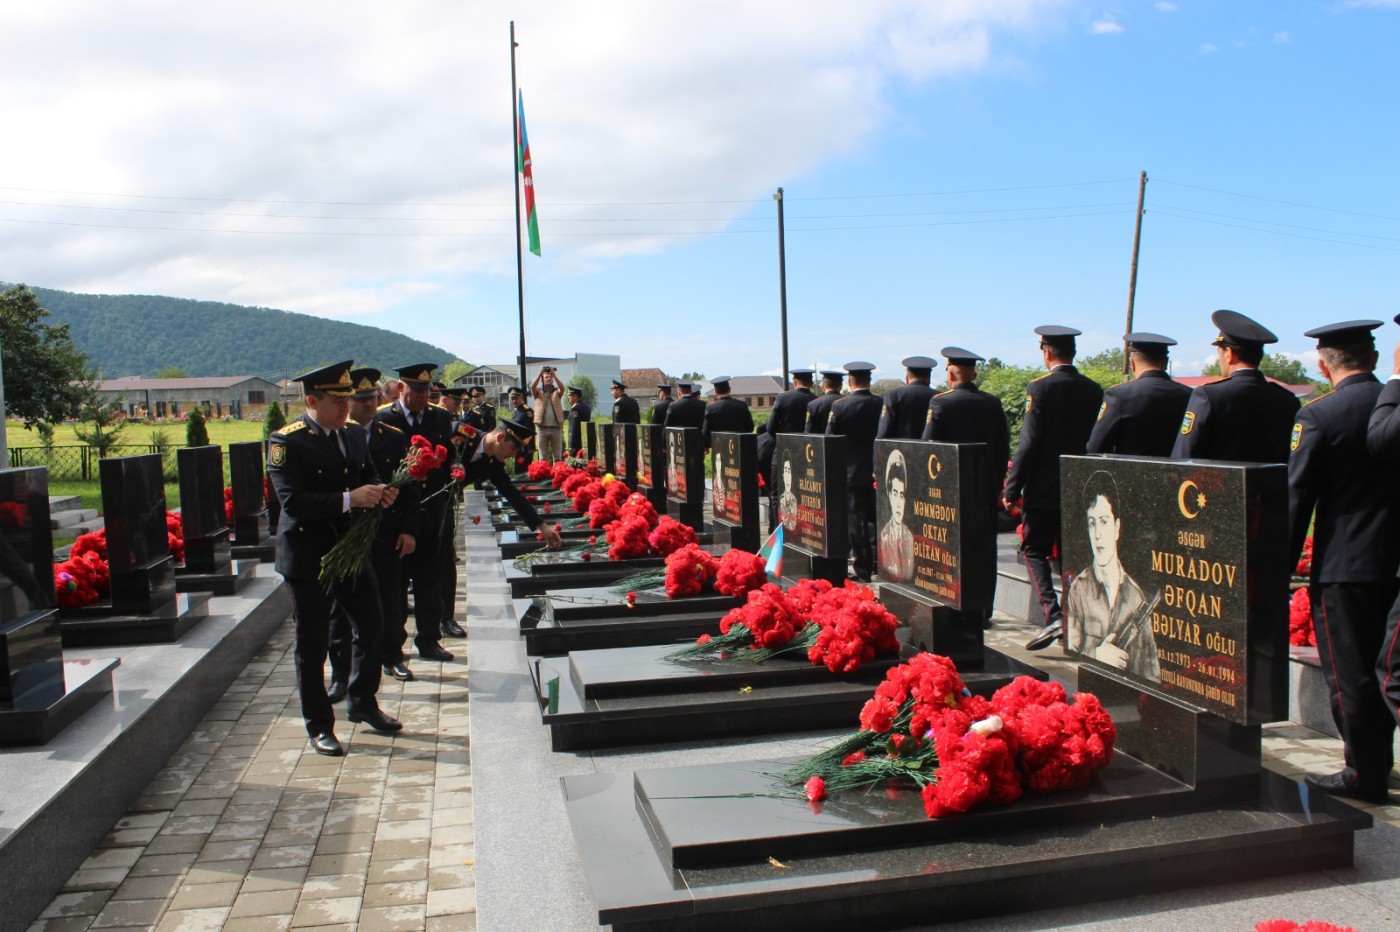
(359, 109)
(1209, 48)
(1389, 4)
(1165, 6)
(1105, 25)
(1283, 38)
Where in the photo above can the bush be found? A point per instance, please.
(274, 420)
(196, 434)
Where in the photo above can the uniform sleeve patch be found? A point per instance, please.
(1297, 436)
(277, 454)
(1102, 408)
(1029, 401)
(1188, 422)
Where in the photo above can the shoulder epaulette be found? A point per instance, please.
(388, 427)
(1039, 377)
(291, 428)
(387, 404)
(1311, 400)
(1223, 378)
(437, 407)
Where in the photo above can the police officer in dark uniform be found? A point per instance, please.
(688, 410)
(819, 408)
(453, 400)
(1356, 504)
(857, 418)
(966, 414)
(520, 413)
(1060, 410)
(413, 415)
(320, 472)
(1383, 440)
(906, 407)
(661, 405)
(580, 413)
(1242, 416)
(625, 409)
(395, 539)
(726, 414)
(480, 413)
(789, 416)
(484, 456)
(1141, 417)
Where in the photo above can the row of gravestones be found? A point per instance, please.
(1175, 605)
(151, 599)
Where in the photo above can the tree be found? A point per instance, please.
(1105, 359)
(454, 370)
(1275, 366)
(274, 420)
(41, 363)
(170, 372)
(590, 391)
(694, 376)
(100, 421)
(196, 434)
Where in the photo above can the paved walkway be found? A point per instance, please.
(246, 829)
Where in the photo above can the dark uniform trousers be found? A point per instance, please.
(1358, 708)
(1040, 530)
(357, 604)
(860, 513)
(447, 588)
(423, 568)
(345, 649)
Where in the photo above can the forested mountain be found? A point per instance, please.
(140, 334)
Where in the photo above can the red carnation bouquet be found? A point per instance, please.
(922, 726)
(1300, 619)
(841, 629)
(540, 469)
(1304, 567)
(347, 559)
(688, 570)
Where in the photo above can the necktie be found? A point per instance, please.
(413, 422)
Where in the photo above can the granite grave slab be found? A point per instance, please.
(809, 485)
(208, 565)
(651, 464)
(734, 490)
(685, 476)
(254, 513)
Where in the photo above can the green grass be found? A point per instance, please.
(91, 492)
(137, 432)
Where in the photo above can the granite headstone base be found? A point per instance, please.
(708, 847)
(570, 571)
(100, 624)
(731, 536)
(798, 564)
(39, 715)
(937, 628)
(226, 581)
(601, 603)
(265, 552)
(634, 695)
(691, 514)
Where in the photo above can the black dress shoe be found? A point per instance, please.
(375, 719)
(451, 629)
(336, 692)
(398, 671)
(1048, 635)
(1338, 784)
(435, 652)
(326, 744)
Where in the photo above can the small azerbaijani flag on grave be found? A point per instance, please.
(772, 554)
(522, 164)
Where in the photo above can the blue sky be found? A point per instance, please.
(955, 172)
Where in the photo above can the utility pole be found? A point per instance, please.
(782, 285)
(515, 186)
(1132, 276)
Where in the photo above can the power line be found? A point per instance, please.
(1168, 212)
(1270, 200)
(1277, 223)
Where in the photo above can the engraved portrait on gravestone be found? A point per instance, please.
(896, 545)
(673, 481)
(1108, 615)
(717, 486)
(787, 502)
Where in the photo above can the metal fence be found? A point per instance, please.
(78, 461)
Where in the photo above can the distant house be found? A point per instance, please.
(238, 395)
(497, 378)
(758, 390)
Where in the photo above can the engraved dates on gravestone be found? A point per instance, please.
(936, 533)
(625, 453)
(809, 480)
(651, 461)
(1176, 577)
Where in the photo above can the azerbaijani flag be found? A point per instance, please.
(772, 554)
(522, 165)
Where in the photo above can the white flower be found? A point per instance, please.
(989, 725)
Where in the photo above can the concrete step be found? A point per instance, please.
(72, 516)
(82, 527)
(59, 503)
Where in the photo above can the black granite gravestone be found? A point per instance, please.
(39, 693)
(734, 490)
(1176, 577)
(590, 439)
(609, 439)
(144, 606)
(651, 464)
(625, 465)
(936, 542)
(208, 566)
(252, 519)
(685, 476)
(809, 484)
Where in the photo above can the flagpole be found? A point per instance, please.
(515, 185)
